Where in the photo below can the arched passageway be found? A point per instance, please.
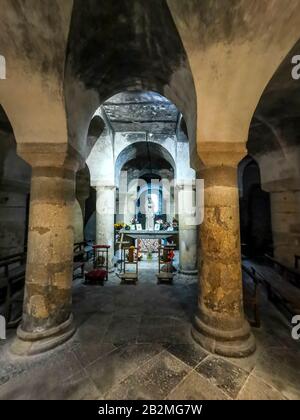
(143, 142)
(255, 211)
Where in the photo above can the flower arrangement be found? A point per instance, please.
(119, 226)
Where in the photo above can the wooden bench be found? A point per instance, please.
(252, 294)
(12, 281)
(282, 293)
(292, 275)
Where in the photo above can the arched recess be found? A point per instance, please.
(273, 138)
(141, 149)
(153, 59)
(255, 210)
(14, 192)
(152, 165)
(274, 141)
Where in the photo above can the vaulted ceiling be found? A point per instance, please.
(142, 111)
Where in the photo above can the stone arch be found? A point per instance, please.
(255, 209)
(129, 153)
(157, 62)
(243, 165)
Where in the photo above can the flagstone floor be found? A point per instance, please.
(134, 342)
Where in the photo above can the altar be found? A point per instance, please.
(149, 240)
(149, 234)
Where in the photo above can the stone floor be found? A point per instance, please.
(134, 342)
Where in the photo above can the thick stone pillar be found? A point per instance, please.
(105, 219)
(187, 230)
(47, 319)
(220, 325)
(285, 211)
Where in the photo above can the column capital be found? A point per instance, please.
(183, 184)
(101, 187)
(214, 154)
(50, 155)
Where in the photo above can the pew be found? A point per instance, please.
(282, 293)
(292, 275)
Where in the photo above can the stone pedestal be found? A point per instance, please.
(187, 231)
(47, 318)
(105, 219)
(220, 325)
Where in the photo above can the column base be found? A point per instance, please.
(30, 344)
(188, 272)
(231, 343)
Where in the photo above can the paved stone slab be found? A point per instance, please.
(191, 354)
(110, 370)
(255, 389)
(154, 380)
(226, 376)
(196, 387)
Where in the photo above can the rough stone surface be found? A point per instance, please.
(220, 325)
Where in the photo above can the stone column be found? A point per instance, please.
(47, 319)
(285, 211)
(187, 230)
(220, 325)
(105, 219)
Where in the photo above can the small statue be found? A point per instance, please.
(149, 215)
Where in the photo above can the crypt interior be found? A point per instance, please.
(149, 200)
